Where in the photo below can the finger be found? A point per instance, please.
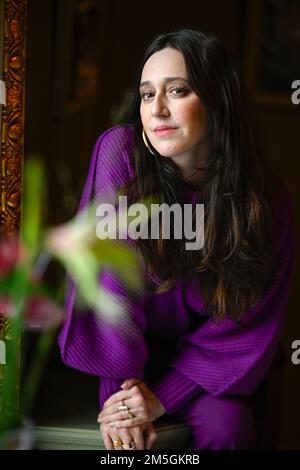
(107, 418)
(129, 423)
(110, 410)
(113, 410)
(130, 383)
(150, 437)
(116, 397)
(120, 416)
(139, 440)
(127, 438)
(107, 440)
(115, 437)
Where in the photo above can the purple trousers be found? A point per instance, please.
(215, 423)
(219, 423)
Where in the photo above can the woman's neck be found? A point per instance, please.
(194, 178)
(191, 165)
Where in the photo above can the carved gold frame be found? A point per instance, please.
(12, 119)
(12, 72)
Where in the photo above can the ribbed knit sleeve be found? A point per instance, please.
(113, 351)
(232, 358)
(175, 390)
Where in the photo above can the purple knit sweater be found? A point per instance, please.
(221, 359)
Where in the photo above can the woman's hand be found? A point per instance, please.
(142, 404)
(134, 438)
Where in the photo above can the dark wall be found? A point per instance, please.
(65, 144)
(126, 29)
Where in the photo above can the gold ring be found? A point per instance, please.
(130, 415)
(129, 446)
(124, 407)
(118, 443)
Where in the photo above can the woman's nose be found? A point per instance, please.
(159, 107)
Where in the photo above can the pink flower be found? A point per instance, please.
(43, 313)
(6, 307)
(10, 253)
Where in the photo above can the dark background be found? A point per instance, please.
(64, 134)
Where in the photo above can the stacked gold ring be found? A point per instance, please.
(124, 407)
(118, 443)
(129, 446)
(130, 415)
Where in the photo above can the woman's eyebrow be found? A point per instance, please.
(166, 80)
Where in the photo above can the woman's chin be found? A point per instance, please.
(166, 152)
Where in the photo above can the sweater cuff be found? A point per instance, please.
(175, 390)
(108, 387)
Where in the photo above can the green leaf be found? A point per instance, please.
(34, 193)
(122, 258)
(83, 268)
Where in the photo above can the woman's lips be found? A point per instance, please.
(165, 131)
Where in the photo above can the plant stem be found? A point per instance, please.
(37, 364)
(10, 404)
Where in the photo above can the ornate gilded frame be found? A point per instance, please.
(12, 119)
(12, 72)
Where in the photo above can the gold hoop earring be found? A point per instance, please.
(146, 142)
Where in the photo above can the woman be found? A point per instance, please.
(203, 337)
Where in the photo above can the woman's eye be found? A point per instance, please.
(178, 91)
(147, 95)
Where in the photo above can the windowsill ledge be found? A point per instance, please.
(170, 436)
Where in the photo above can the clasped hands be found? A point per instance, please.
(130, 413)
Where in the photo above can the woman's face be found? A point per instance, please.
(172, 114)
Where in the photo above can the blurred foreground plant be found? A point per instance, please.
(25, 300)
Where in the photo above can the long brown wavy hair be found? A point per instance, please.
(235, 264)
